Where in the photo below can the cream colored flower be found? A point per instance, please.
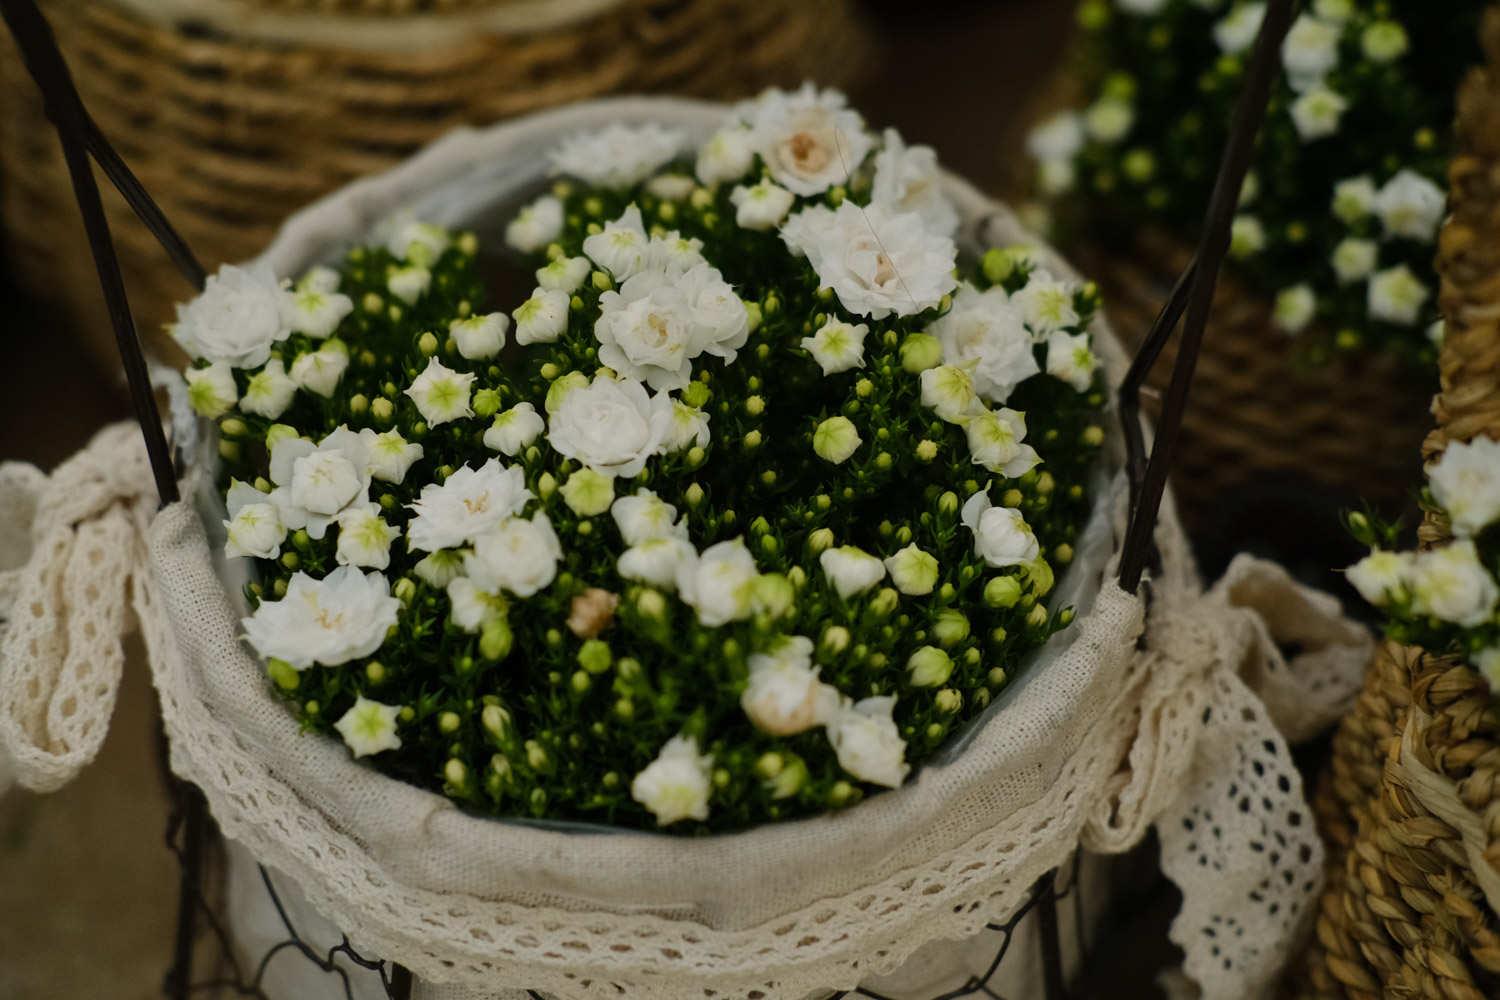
(339, 618)
(1396, 295)
(908, 179)
(565, 274)
(517, 556)
(1317, 113)
(369, 727)
(514, 430)
(1354, 198)
(441, 394)
(618, 155)
(319, 371)
(1465, 482)
(851, 570)
(809, 139)
(236, 319)
(480, 337)
(390, 456)
(1381, 576)
(467, 504)
(676, 785)
(612, 426)
(762, 206)
(1001, 535)
(837, 346)
(269, 391)
(1452, 583)
(364, 538)
(995, 442)
(542, 318)
(211, 391)
(783, 696)
(868, 744)
(1354, 259)
(836, 440)
(913, 571)
(985, 334)
(877, 262)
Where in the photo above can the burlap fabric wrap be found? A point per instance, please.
(1174, 711)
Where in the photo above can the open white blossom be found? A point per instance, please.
(269, 391)
(877, 263)
(1309, 51)
(719, 583)
(317, 482)
(542, 318)
(618, 155)
(867, 742)
(984, 332)
(441, 394)
(565, 274)
(254, 528)
(949, 391)
(479, 337)
(1452, 583)
(908, 179)
(316, 313)
(390, 456)
(409, 283)
(236, 319)
(655, 326)
(676, 785)
(645, 515)
(657, 560)
(1396, 295)
(688, 428)
(851, 570)
(330, 621)
(1237, 32)
(319, 371)
(369, 727)
(726, 156)
(211, 391)
(466, 505)
(517, 556)
(1001, 535)
(536, 225)
(514, 429)
(410, 239)
(1046, 304)
(809, 139)
(1071, 359)
(1380, 576)
(1410, 205)
(471, 608)
(364, 537)
(761, 206)
(320, 278)
(1318, 112)
(1465, 482)
(837, 346)
(1354, 259)
(1295, 308)
(995, 442)
(611, 425)
(622, 247)
(784, 696)
(1354, 198)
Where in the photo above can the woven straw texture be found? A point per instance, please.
(1175, 716)
(1346, 429)
(1411, 803)
(233, 118)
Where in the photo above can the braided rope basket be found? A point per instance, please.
(1411, 804)
(236, 112)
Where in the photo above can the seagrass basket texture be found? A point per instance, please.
(236, 112)
(1405, 912)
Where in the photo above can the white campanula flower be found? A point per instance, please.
(671, 186)
(409, 283)
(645, 515)
(236, 319)
(984, 332)
(1384, 41)
(565, 274)
(1295, 308)
(676, 785)
(1001, 535)
(908, 179)
(320, 278)
(316, 313)
(656, 560)
(837, 346)
(1396, 295)
(672, 255)
(726, 156)
(1059, 138)
(1465, 482)
(389, 454)
(1380, 576)
(471, 608)
(1317, 113)
(441, 394)
(514, 429)
(719, 583)
(654, 327)
(618, 155)
(995, 442)
(836, 440)
(479, 337)
(1046, 304)
(410, 239)
(1071, 359)
(330, 621)
(913, 571)
(688, 428)
(542, 318)
(516, 556)
(254, 528)
(809, 139)
(851, 570)
(877, 262)
(611, 425)
(536, 225)
(1247, 237)
(269, 391)
(1109, 120)
(438, 569)
(1354, 198)
(1237, 31)
(211, 391)
(317, 482)
(369, 727)
(1354, 259)
(761, 207)
(1452, 584)
(364, 537)
(465, 505)
(867, 742)
(622, 247)
(1410, 205)
(784, 696)
(1487, 662)
(319, 371)
(1309, 51)
(949, 391)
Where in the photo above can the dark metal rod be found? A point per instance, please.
(1249, 112)
(1053, 984)
(194, 833)
(401, 983)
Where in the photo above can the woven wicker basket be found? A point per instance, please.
(236, 112)
(1410, 907)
